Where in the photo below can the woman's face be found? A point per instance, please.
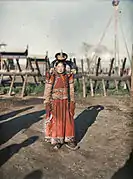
(60, 68)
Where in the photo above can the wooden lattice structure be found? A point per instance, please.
(11, 67)
(104, 78)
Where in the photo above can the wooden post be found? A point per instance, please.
(88, 64)
(11, 86)
(37, 67)
(104, 89)
(74, 61)
(1, 80)
(7, 68)
(45, 69)
(48, 61)
(109, 74)
(47, 64)
(27, 63)
(131, 90)
(12, 79)
(122, 71)
(100, 67)
(32, 69)
(19, 68)
(24, 85)
(128, 85)
(97, 72)
(83, 79)
(1, 60)
(91, 86)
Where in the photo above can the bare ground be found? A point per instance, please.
(104, 132)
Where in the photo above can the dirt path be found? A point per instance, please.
(104, 133)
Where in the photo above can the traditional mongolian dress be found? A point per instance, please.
(60, 106)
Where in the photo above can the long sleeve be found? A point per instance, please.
(48, 89)
(72, 95)
(71, 86)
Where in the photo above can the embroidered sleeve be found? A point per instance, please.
(48, 88)
(71, 85)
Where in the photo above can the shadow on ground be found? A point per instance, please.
(37, 174)
(13, 113)
(10, 128)
(84, 120)
(126, 172)
(9, 151)
(16, 102)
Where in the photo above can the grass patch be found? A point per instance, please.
(34, 89)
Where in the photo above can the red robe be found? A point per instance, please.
(60, 106)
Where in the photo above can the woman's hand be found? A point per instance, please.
(48, 106)
(48, 109)
(72, 108)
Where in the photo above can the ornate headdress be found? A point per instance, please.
(62, 57)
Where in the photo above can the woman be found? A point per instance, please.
(60, 105)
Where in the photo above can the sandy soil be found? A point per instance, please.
(104, 131)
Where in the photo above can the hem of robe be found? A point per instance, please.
(61, 140)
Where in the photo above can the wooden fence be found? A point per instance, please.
(92, 77)
(105, 78)
(31, 69)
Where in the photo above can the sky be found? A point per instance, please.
(53, 25)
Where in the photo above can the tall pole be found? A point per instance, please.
(115, 36)
(115, 4)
